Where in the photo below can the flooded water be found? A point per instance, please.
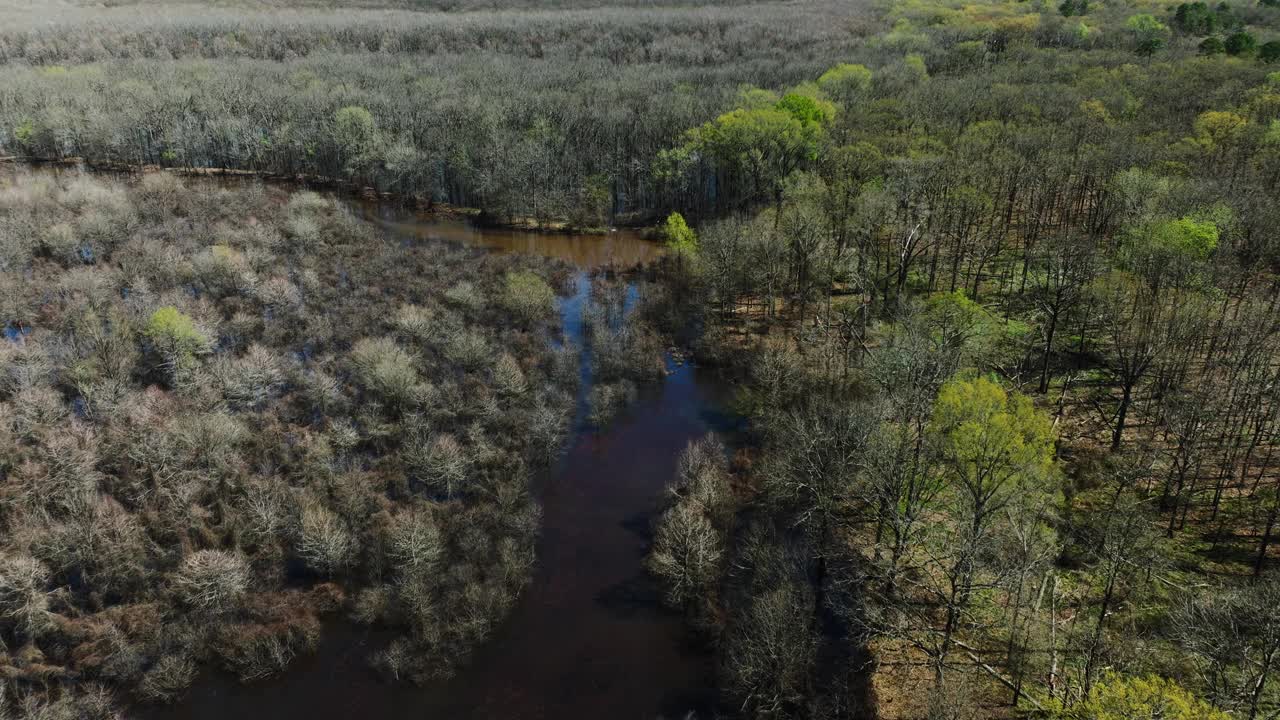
(588, 638)
(618, 248)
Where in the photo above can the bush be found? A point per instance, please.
(1069, 8)
(212, 580)
(24, 601)
(528, 298)
(1269, 52)
(608, 400)
(385, 369)
(1241, 43)
(1149, 34)
(323, 541)
(168, 678)
(1149, 697)
(175, 337)
(1212, 46)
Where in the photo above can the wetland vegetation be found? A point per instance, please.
(982, 299)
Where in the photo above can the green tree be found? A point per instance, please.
(1241, 43)
(678, 236)
(176, 339)
(758, 149)
(808, 110)
(1196, 18)
(846, 83)
(1169, 252)
(355, 133)
(1269, 52)
(993, 449)
(1149, 34)
(1073, 7)
(994, 445)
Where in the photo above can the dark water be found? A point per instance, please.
(588, 638)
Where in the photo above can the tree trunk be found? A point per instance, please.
(1118, 435)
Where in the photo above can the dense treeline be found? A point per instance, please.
(225, 413)
(1013, 331)
(999, 278)
(550, 115)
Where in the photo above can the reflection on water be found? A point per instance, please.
(618, 248)
(588, 639)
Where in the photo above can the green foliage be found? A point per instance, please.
(1241, 43)
(1270, 51)
(1186, 237)
(1218, 130)
(354, 126)
(1149, 34)
(25, 132)
(1141, 698)
(917, 70)
(1164, 252)
(808, 110)
(175, 334)
(760, 148)
(356, 135)
(528, 297)
(846, 83)
(1196, 18)
(678, 236)
(1069, 8)
(996, 443)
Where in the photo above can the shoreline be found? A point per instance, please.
(347, 187)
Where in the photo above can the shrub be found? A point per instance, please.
(175, 337)
(1241, 43)
(464, 294)
(212, 580)
(168, 678)
(467, 348)
(24, 602)
(415, 543)
(323, 542)
(1269, 52)
(386, 369)
(1134, 697)
(528, 297)
(607, 400)
(508, 378)
(414, 321)
(250, 380)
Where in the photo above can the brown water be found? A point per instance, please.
(617, 248)
(587, 640)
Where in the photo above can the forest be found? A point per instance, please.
(995, 286)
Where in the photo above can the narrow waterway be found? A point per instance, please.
(588, 639)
